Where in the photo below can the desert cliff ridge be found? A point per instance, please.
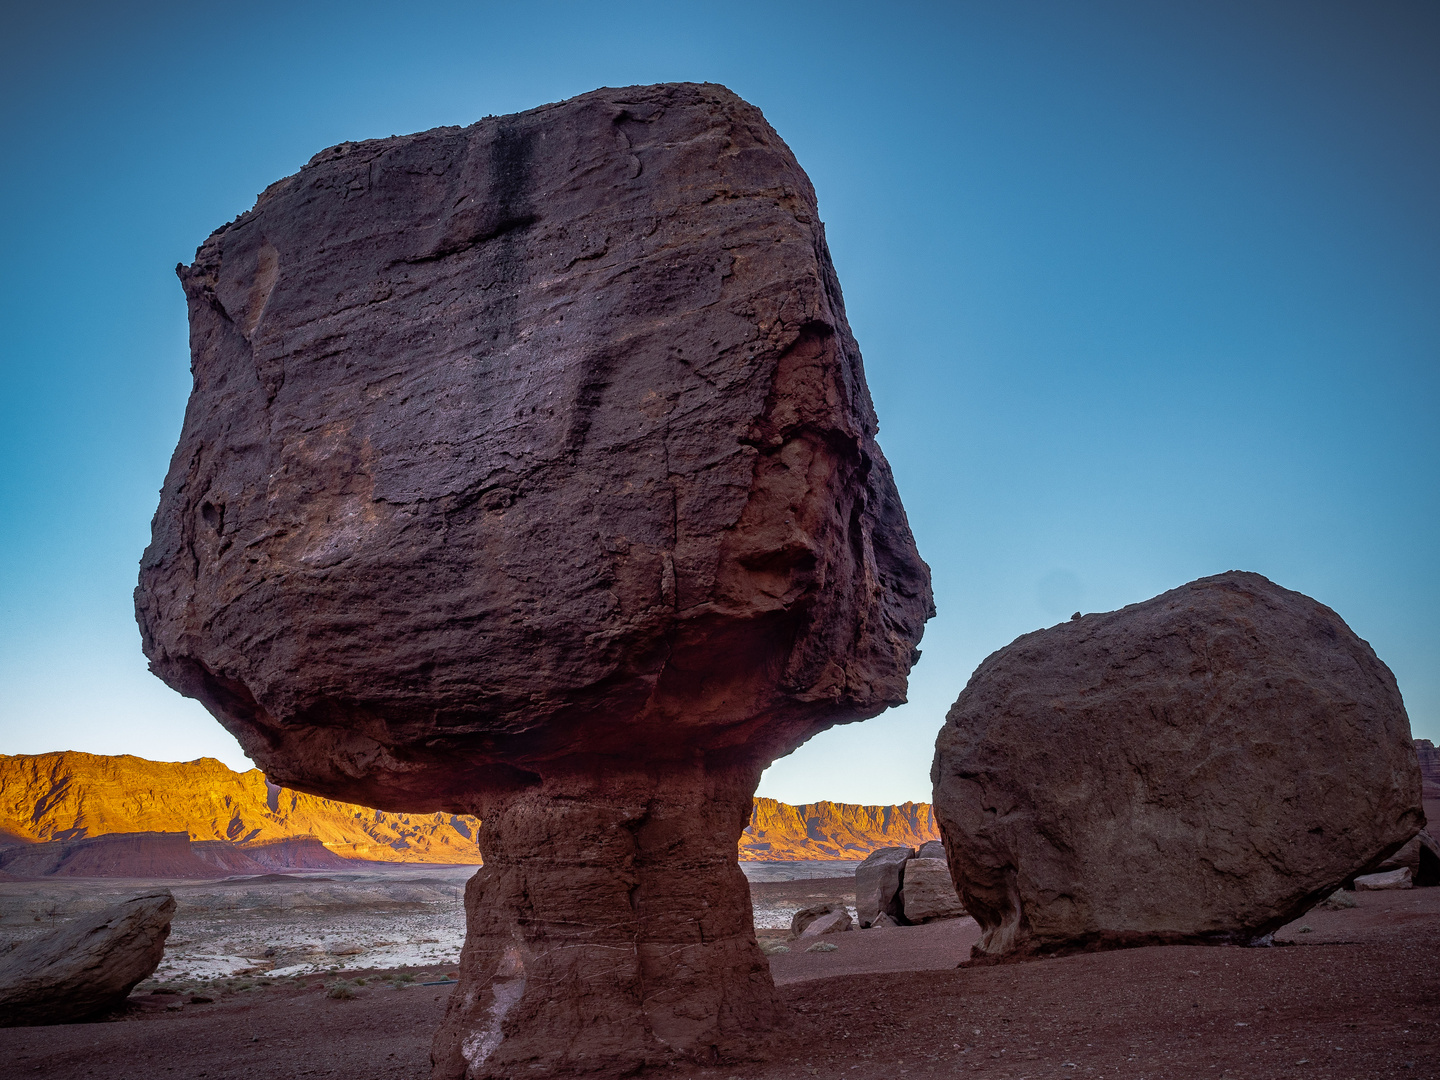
(70, 795)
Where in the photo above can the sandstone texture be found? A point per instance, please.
(927, 893)
(86, 967)
(1201, 767)
(530, 473)
(877, 885)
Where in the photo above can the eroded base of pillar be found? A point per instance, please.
(609, 928)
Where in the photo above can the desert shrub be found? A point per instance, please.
(340, 992)
(1337, 901)
(822, 946)
(769, 948)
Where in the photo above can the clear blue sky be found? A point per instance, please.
(1146, 291)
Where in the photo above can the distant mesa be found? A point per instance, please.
(70, 796)
(83, 804)
(1199, 768)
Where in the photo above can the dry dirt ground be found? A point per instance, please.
(1350, 993)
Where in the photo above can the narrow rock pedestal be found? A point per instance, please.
(611, 908)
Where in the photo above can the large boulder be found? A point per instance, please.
(877, 885)
(927, 893)
(1200, 767)
(530, 472)
(86, 967)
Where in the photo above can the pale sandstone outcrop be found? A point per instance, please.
(530, 473)
(1200, 767)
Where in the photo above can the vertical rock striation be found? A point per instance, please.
(530, 472)
(1198, 768)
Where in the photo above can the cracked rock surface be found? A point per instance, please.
(1199, 768)
(532, 464)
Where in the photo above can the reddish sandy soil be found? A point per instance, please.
(1358, 995)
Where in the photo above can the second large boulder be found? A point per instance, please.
(1200, 767)
(86, 967)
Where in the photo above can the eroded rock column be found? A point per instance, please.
(610, 908)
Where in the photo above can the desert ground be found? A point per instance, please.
(358, 971)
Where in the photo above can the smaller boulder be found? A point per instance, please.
(931, 849)
(883, 922)
(85, 967)
(877, 885)
(805, 916)
(1391, 879)
(833, 922)
(927, 891)
(1422, 855)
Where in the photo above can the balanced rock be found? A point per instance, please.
(927, 893)
(86, 967)
(877, 885)
(931, 849)
(1200, 767)
(530, 472)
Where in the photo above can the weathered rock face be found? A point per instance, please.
(927, 893)
(877, 885)
(530, 471)
(86, 967)
(1201, 767)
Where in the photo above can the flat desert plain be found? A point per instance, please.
(1349, 992)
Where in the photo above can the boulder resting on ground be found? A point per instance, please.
(877, 885)
(86, 967)
(1202, 767)
(1390, 879)
(927, 893)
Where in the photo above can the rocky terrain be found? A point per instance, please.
(1346, 992)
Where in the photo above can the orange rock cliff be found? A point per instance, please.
(69, 795)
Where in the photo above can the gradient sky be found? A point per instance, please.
(1146, 291)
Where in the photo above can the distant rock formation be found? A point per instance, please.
(530, 472)
(1429, 757)
(164, 855)
(86, 967)
(1202, 767)
(72, 796)
(827, 830)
